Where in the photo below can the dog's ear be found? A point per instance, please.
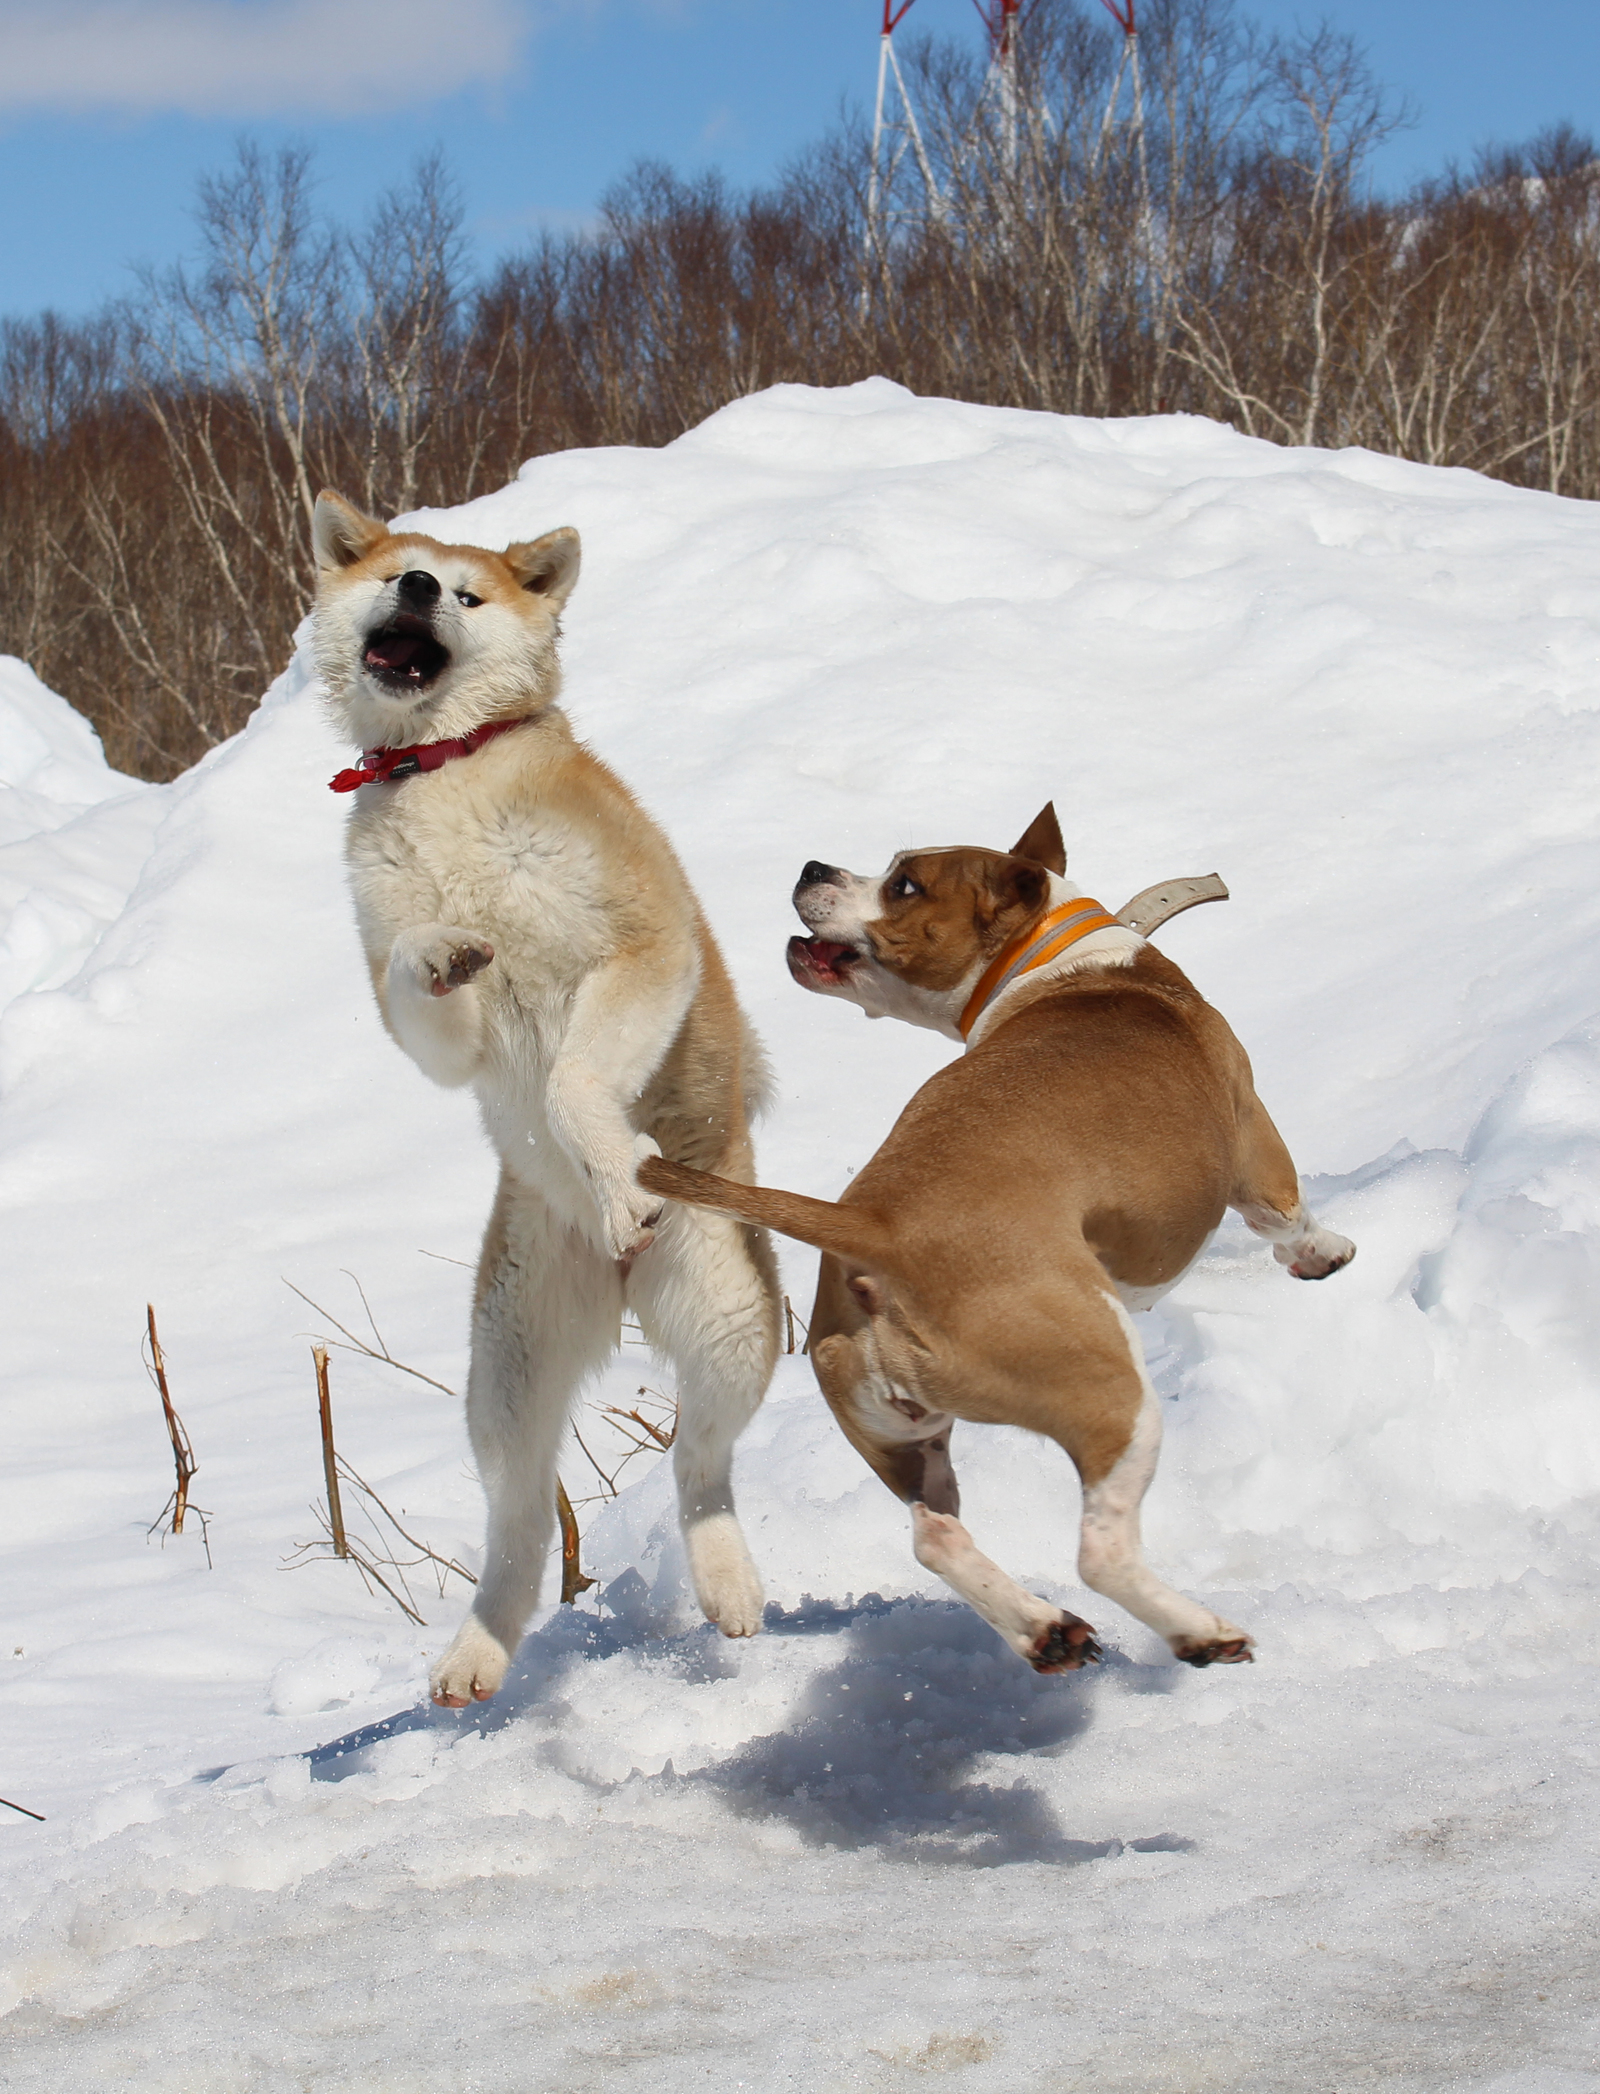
(546, 566)
(1041, 841)
(1014, 883)
(340, 534)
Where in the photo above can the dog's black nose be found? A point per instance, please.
(419, 587)
(813, 874)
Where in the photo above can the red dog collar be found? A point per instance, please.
(388, 766)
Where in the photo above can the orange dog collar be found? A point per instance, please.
(1034, 948)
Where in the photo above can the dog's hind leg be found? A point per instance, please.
(706, 1293)
(1051, 1639)
(1268, 1197)
(1110, 1554)
(907, 1446)
(547, 1315)
(919, 1471)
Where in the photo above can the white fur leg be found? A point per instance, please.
(548, 1312)
(619, 1026)
(433, 1008)
(1050, 1640)
(1300, 1241)
(1111, 1555)
(708, 1300)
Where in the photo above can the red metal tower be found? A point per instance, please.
(892, 133)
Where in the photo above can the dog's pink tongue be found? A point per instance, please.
(824, 954)
(393, 651)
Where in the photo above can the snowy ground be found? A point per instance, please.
(869, 1849)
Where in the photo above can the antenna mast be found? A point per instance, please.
(892, 133)
(1121, 12)
(1002, 19)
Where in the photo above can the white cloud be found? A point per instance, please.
(252, 57)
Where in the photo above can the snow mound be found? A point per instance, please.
(51, 762)
(834, 624)
(68, 860)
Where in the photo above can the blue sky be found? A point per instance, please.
(110, 109)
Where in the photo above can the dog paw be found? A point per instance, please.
(724, 1578)
(635, 1214)
(631, 1216)
(737, 1606)
(1317, 1258)
(472, 1669)
(1067, 1645)
(1232, 1647)
(445, 956)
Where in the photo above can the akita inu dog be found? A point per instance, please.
(531, 933)
(1070, 1167)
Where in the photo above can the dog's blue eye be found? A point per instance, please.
(903, 886)
(465, 596)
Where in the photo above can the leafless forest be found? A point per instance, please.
(1212, 245)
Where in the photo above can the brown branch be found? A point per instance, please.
(355, 1344)
(364, 1563)
(610, 1481)
(39, 1814)
(330, 1460)
(182, 1452)
(445, 1564)
(573, 1580)
(790, 1320)
(367, 1561)
(662, 1439)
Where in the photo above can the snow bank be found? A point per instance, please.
(833, 624)
(73, 833)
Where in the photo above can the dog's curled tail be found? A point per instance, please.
(849, 1232)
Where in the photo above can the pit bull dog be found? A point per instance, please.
(1068, 1169)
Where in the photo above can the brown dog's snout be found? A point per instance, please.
(815, 874)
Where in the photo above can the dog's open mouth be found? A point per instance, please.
(404, 655)
(814, 960)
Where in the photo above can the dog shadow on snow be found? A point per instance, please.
(882, 1748)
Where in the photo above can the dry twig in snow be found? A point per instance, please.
(381, 1555)
(182, 1452)
(573, 1581)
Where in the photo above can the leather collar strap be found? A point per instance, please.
(388, 766)
(1034, 948)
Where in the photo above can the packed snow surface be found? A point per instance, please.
(869, 1849)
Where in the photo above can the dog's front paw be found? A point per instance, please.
(631, 1215)
(472, 1669)
(445, 956)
